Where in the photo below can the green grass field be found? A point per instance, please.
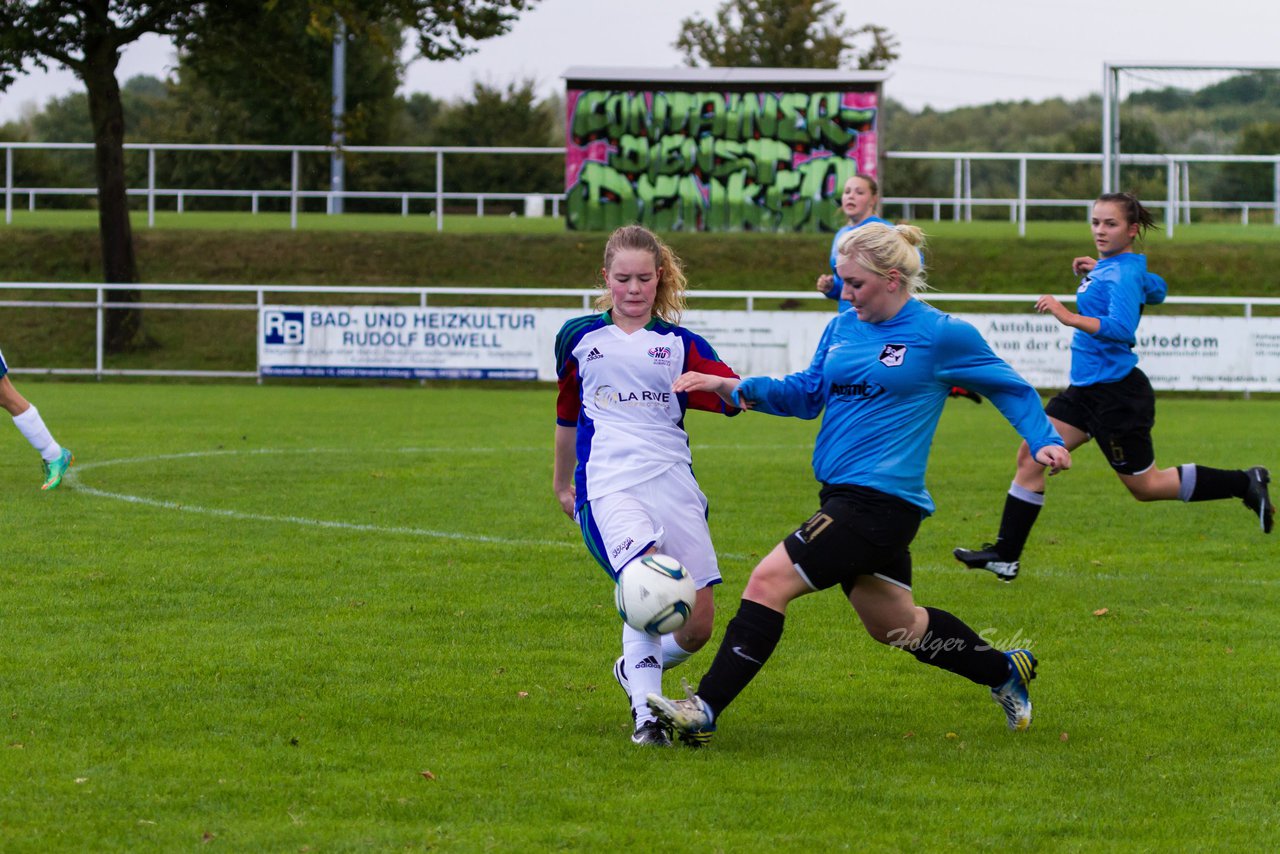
(498, 224)
(336, 618)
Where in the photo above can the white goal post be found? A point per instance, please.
(1146, 75)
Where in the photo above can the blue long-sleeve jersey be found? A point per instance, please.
(837, 283)
(882, 387)
(1114, 291)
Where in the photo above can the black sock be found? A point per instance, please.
(1210, 484)
(950, 644)
(748, 642)
(1015, 525)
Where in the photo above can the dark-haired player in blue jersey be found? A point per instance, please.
(1110, 399)
(879, 378)
(623, 468)
(56, 459)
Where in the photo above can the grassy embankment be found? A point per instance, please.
(985, 257)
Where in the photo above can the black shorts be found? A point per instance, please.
(858, 531)
(1118, 415)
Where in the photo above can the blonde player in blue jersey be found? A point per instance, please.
(879, 379)
(26, 418)
(623, 470)
(1110, 399)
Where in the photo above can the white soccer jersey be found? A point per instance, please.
(616, 389)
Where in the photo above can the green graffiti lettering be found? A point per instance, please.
(742, 209)
(672, 155)
(791, 113)
(672, 112)
(670, 202)
(753, 116)
(768, 156)
(816, 177)
(823, 118)
(707, 160)
(589, 115)
(632, 155)
(602, 200)
(707, 114)
(628, 114)
(788, 207)
(856, 120)
(718, 158)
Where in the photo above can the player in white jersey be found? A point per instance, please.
(623, 470)
(26, 418)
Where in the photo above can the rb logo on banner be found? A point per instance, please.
(283, 327)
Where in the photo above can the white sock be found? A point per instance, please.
(642, 663)
(31, 425)
(672, 652)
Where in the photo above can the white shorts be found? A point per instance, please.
(667, 512)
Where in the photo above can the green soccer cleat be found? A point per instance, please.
(691, 720)
(1012, 695)
(53, 471)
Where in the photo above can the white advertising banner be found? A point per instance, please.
(356, 342)
(361, 342)
(1176, 353)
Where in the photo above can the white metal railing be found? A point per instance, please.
(295, 193)
(99, 304)
(1177, 203)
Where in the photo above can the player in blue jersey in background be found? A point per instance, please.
(26, 418)
(623, 469)
(1110, 399)
(859, 202)
(879, 378)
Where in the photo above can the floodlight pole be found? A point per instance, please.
(1108, 93)
(337, 180)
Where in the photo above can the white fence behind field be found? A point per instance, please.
(1177, 204)
(1235, 353)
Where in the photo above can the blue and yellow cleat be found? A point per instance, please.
(54, 471)
(691, 719)
(1012, 695)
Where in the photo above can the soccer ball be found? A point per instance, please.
(655, 594)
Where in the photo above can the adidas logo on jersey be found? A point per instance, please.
(595, 354)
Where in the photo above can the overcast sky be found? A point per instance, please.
(952, 53)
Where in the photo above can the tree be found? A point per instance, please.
(1251, 182)
(495, 117)
(257, 74)
(87, 36)
(783, 34)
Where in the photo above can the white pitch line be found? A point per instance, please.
(73, 481)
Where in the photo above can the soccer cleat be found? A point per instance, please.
(1012, 695)
(691, 719)
(989, 559)
(54, 471)
(1258, 498)
(652, 733)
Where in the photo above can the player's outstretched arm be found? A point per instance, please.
(1055, 457)
(694, 381)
